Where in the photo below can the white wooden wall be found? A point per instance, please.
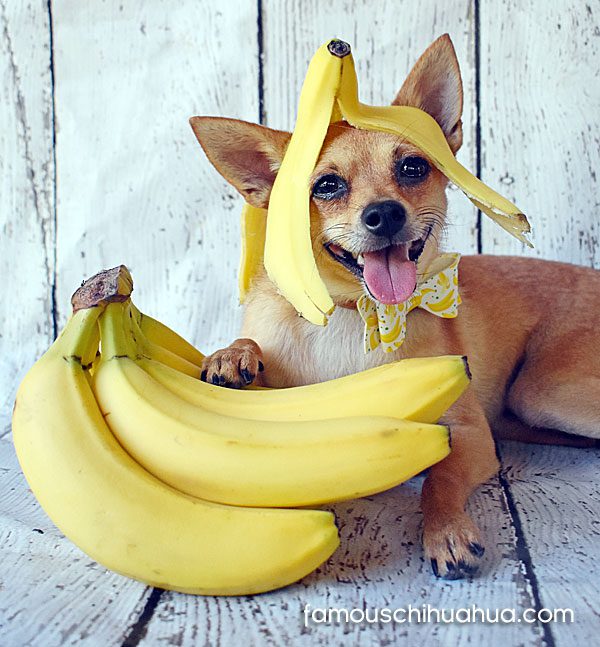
(98, 166)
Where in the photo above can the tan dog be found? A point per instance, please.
(377, 212)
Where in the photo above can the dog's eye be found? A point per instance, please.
(412, 168)
(329, 187)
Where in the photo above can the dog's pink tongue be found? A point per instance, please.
(390, 276)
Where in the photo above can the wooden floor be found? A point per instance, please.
(541, 518)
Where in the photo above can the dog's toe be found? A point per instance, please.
(248, 366)
(231, 367)
(453, 547)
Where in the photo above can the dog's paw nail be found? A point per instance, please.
(246, 376)
(203, 375)
(450, 566)
(261, 366)
(434, 567)
(469, 569)
(476, 549)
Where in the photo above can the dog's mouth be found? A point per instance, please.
(389, 273)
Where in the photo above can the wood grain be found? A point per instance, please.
(557, 498)
(387, 37)
(50, 592)
(379, 564)
(26, 194)
(540, 92)
(133, 184)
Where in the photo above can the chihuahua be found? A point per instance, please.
(378, 211)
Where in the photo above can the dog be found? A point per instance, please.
(528, 327)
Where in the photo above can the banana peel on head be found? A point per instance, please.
(289, 259)
(254, 226)
(330, 92)
(422, 130)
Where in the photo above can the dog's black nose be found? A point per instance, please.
(384, 218)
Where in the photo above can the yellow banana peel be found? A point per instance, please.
(254, 225)
(289, 259)
(330, 93)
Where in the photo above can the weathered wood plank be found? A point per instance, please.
(26, 194)
(379, 565)
(557, 497)
(387, 37)
(50, 592)
(134, 186)
(540, 92)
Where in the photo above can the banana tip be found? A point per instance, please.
(338, 48)
(467, 367)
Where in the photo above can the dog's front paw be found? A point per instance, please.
(453, 546)
(235, 366)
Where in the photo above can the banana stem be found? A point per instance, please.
(156, 351)
(132, 331)
(112, 332)
(157, 333)
(79, 339)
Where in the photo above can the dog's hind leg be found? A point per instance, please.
(509, 427)
(559, 389)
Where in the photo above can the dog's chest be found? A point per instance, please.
(315, 353)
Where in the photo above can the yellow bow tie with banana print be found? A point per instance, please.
(385, 325)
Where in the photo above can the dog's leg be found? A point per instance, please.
(451, 540)
(560, 390)
(236, 366)
(509, 427)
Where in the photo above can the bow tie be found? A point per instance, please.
(385, 325)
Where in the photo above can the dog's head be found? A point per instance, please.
(378, 204)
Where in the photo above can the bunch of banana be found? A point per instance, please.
(202, 449)
(125, 518)
(144, 467)
(330, 93)
(424, 388)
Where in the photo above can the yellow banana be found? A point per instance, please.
(288, 255)
(250, 462)
(330, 90)
(419, 389)
(442, 304)
(124, 517)
(161, 335)
(254, 223)
(424, 388)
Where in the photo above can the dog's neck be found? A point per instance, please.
(350, 305)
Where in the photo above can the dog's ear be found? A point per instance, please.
(248, 156)
(434, 85)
